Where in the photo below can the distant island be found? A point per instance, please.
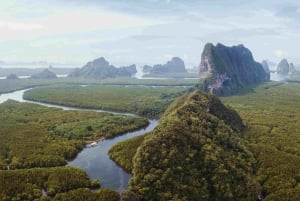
(101, 69)
(175, 68)
(286, 68)
(12, 76)
(45, 74)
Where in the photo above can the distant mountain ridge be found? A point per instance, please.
(45, 74)
(225, 70)
(101, 69)
(175, 65)
(286, 68)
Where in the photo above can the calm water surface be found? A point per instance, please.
(95, 160)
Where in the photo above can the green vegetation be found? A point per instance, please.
(145, 101)
(84, 194)
(173, 75)
(95, 125)
(38, 136)
(272, 116)
(124, 151)
(27, 184)
(195, 153)
(17, 84)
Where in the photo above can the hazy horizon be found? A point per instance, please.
(143, 32)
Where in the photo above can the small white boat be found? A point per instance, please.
(93, 144)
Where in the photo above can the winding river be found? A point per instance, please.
(95, 160)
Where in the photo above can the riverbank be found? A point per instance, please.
(94, 160)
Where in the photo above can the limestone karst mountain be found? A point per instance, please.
(285, 68)
(100, 69)
(45, 74)
(225, 70)
(175, 65)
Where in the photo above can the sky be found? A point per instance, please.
(145, 31)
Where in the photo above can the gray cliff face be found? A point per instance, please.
(100, 69)
(225, 70)
(266, 68)
(283, 67)
(127, 71)
(45, 74)
(176, 65)
(292, 69)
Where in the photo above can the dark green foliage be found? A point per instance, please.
(38, 136)
(124, 151)
(272, 116)
(194, 155)
(84, 194)
(145, 101)
(27, 184)
(129, 196)
(96, 125)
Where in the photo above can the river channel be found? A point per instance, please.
(95, 160)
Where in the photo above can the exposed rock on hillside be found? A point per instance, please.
(195, 153)
(265, 66)
(225, 70)
(292, 69)
(45, 74)
(100, 68)
(284, 68)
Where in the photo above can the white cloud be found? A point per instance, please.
(69, 22)
(280, 53)
(19, 26)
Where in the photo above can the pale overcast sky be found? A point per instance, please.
(145, 31)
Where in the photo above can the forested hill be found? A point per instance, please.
(196, 153)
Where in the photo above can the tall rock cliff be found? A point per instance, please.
(283, 67)
(100, 69)
(265, 66)
(225, 70)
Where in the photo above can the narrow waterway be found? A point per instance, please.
(95, 160)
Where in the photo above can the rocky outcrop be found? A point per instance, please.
(225, 70)
(127, 71)
(266, 68)
(45, 74)
(292, 69)
(12, 76)
(176, 65)
(283, 67)
(100, 69)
